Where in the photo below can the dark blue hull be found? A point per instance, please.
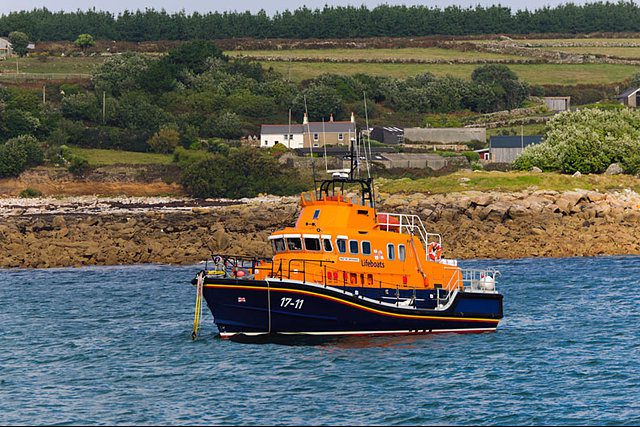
(252, 308)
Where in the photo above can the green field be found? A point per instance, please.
(426, 54)
(97, 157)
(52, 64)
(561, 74)
(507, 181)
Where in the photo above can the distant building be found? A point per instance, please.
(445, 135)
(557, 103)
(628, 97)
(309, 134)
(505, 149)
(5, 48)
(388, 134)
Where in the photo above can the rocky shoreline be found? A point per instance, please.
(81, 231)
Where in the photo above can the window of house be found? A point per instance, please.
(391, 251)
(316, 145)
(286, 137)
(366, 248)
(402, 252)
(294, 243)
(312, 244)
(342, 245)
(353, 247)
(340, 137)
(328, 247)
(290, 136)
(316, 137)
(278, 245)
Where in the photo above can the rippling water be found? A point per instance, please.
(112, 345)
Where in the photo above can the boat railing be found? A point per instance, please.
(467, 280)
(408, 224)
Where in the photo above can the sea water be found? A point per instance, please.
(111, 345)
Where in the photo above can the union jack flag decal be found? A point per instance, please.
(242, 299)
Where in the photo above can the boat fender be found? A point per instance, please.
(487, 283)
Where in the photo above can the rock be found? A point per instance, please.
(577, 174)
(536, 169)
(464, 180)
(614, 169)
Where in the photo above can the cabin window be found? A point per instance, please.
(316, 214)
(278, 245)
(311, 244)
(391, 252)
(342, 245)
(366, 248)
(402, 252)
(328, 247)
(294, 243)
(353, 247)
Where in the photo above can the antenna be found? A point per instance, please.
(366, 119)
(324, 144)
(313, 165)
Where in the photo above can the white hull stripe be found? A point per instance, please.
(333, 333)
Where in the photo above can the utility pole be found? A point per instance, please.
(44, 94)
(104, 107)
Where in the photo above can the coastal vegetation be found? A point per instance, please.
(587, 140)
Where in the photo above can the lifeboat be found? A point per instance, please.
(346, 269)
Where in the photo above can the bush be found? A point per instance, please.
(30, 193)
(586, 140)
(471, 156)
(17, 154)
(78, 166)
(245, 172)
(165, 140)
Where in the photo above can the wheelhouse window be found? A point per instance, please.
(402, 252)
(311, 244)
(342, 245)
(391, 252)
(366, 248)
(278, 245)
(294, 243)
(328, 247)
(353, 247)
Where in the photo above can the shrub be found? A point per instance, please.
(471, 156)
(17, 154)
(165, 140)
(78, 166)
(30, 193)
(586, 140)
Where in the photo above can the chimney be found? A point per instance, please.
(305, 121)
(331, 117)
(353, 117)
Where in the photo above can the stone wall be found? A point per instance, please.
(445, 135)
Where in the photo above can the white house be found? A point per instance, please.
(5, 48)
(309, 134)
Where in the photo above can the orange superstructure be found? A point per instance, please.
(342, 241)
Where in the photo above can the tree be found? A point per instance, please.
(19, 42)
(85, 41)
(121, 73)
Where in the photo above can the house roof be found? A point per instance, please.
(515, 141)
(627, 93)
(314, 127)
